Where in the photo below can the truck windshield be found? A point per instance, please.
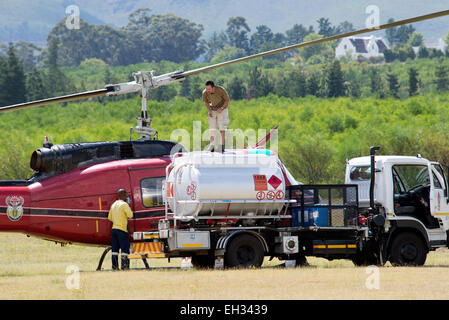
(412, 176)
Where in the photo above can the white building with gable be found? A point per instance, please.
(361, 46)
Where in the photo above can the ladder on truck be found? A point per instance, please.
(150, 247)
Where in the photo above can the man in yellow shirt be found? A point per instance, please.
(119, 214)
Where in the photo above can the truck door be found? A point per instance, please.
(438, 191)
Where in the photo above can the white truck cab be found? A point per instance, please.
(412, 192)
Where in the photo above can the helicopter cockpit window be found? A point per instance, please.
(360, 173)
(152, 192)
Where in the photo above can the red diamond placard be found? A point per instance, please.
(274, 181)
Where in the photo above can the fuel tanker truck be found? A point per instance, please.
(239, 206)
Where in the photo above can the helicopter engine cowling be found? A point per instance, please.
(58, 159)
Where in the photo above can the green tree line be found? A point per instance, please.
(249, 80)
(151, 37)
(17, 86)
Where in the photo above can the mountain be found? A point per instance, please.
(32, 20)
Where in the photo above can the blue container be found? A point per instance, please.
(296, 217)
(316, 216)
(321, 216)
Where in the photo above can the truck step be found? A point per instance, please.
(141, 250)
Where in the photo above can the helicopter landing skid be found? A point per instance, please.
(103, 255)
(100, 263)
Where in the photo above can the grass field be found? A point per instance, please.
(31, 268)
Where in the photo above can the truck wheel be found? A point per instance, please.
(203, 261)
(244, 251)
(408, 249)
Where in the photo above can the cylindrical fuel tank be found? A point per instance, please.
(229, 184)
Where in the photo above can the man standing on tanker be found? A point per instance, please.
(216, 100)
(119, 214)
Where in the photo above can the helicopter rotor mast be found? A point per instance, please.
(146, 80)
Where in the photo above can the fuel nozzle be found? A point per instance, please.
(46, 143)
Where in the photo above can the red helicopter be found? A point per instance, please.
(68, 198)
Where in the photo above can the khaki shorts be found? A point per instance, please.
(219, 120)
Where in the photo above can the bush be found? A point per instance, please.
(93, 63)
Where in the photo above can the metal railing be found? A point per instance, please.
(324, 205)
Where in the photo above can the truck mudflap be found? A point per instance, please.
(333, 248)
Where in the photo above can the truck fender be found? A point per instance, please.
(411, 224)
(223, 241)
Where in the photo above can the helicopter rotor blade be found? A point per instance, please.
(70, 97)
(109, 90)
(309, 43)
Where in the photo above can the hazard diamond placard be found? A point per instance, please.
(274, 181)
